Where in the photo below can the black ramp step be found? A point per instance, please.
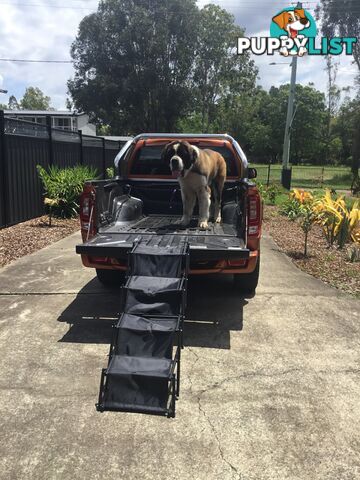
(145, 337)
(154, 296)
(156, 261)
(137, 384)
(143, 373)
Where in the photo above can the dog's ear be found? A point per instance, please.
(194, 153)
(165, 151)
(300, 12)
(281, 19)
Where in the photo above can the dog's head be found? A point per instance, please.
(292, 21)
(180, 156)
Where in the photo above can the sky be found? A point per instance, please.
(45, 29)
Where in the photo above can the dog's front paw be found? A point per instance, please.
(218, 220)
(203, 224)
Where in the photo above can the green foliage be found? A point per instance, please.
(34, 99)
(341, 19)
(13, 103)
(63, 188)
(218, 73)
(307, 219)
(272, 191)
(291, 209)
(271, 194)
(258, 118)
(144, 83)
(110, 172)
(169, 61)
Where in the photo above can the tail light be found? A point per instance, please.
(254, 213)
(87, 213)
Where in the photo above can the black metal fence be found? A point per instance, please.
(23, 145)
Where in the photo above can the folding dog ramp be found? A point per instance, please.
(143, 373)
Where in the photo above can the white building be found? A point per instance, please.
(63, 119)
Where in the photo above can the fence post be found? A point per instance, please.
(81, 148)
(268, 176)
(104, 158)
(51, 147)
(3, 171)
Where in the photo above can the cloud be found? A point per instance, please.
(310, 68)
(41, 33)
(46, 33)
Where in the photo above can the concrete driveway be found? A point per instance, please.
(270, 386)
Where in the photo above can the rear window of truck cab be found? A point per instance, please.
(147, 161)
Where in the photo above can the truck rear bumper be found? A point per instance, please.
(196, 268)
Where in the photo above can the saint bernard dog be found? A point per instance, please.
(197, 171)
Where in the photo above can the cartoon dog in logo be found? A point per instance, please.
(292, 21)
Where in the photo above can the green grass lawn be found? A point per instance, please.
(337, 178)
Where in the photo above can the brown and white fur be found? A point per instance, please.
(292, 21)
(197, 170)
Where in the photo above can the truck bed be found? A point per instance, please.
(218, 241)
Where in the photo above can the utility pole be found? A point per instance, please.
(286, 170)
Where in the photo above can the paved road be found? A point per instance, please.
(270, 385)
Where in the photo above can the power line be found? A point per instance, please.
(33, 61)
(45, 6)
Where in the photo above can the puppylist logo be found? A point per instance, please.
(293, 32)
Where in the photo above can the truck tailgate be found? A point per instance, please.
(219, 242)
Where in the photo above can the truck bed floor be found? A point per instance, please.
(161, 230)
(170, 224)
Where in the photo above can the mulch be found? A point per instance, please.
(28, 237)
(326, 263)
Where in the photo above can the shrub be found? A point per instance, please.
(301, 196)
(307, 220)
(63, 188)
(291, 209)
(298, 198)
(269, 193)
(110, 172)
(339, 222)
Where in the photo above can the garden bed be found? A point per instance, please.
(28, 237)
(328, 264)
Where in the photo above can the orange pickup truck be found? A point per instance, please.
(143, 201)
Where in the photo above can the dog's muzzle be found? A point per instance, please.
(176, 166)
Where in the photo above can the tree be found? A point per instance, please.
(34, 99)
(342, 19)
(132, 60)
(333, 99)
(218, 71)
(13, 103)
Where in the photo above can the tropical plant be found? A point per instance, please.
(63, 187)
(291, 209)
(339, 222)
(301, 196)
